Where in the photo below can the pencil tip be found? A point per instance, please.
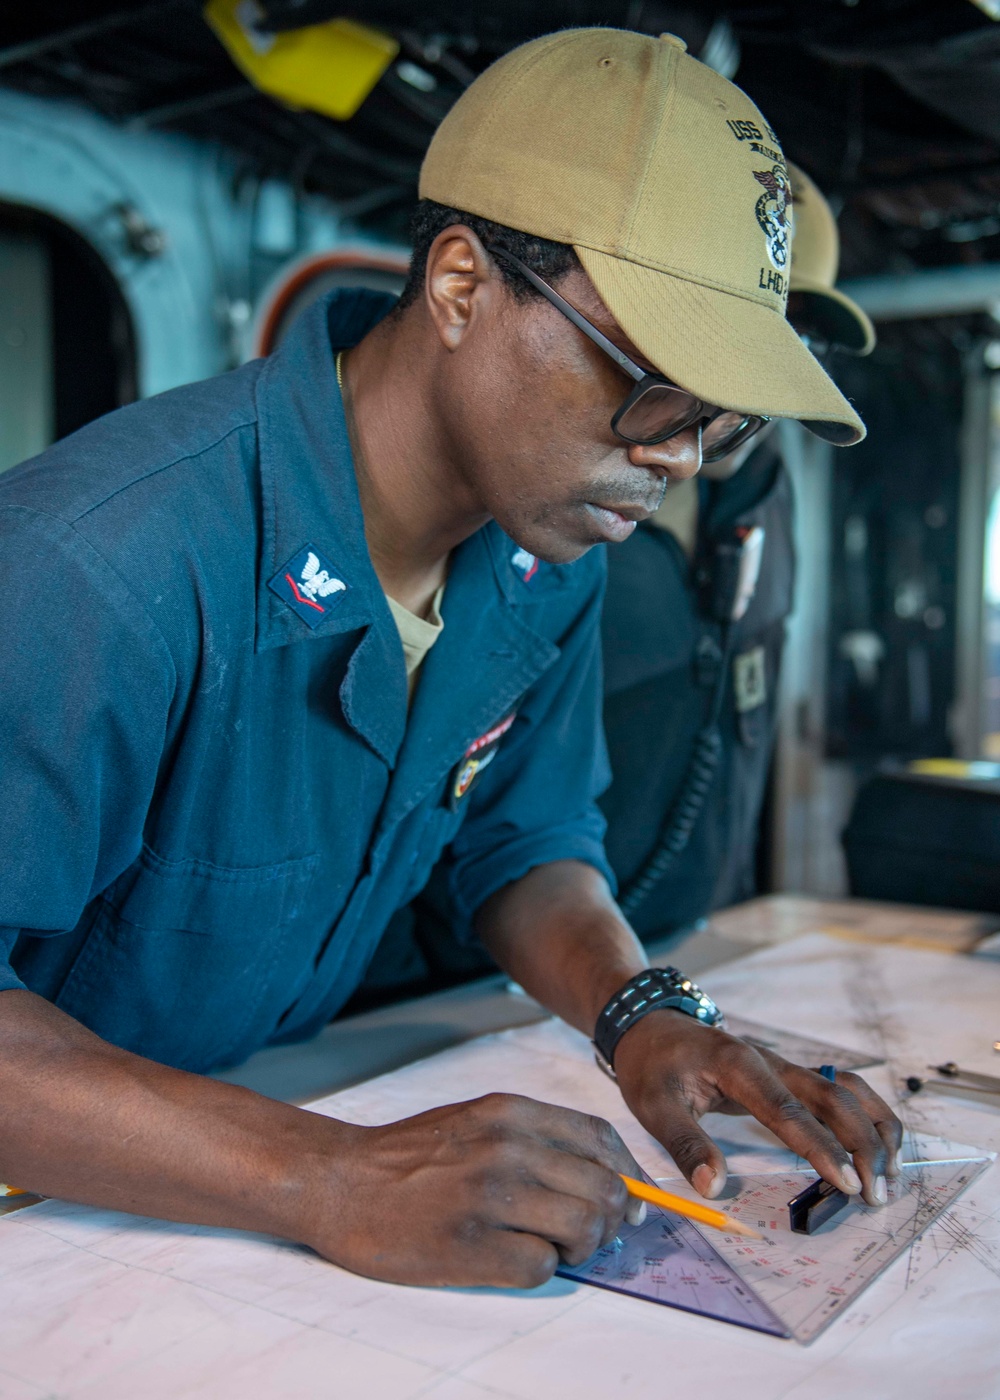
(736, 1227)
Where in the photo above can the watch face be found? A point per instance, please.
(695, 1002)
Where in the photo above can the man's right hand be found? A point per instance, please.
(496, 1191)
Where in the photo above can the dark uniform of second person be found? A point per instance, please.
(690, 690)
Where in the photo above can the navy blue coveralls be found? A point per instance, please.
(663, 660)
(211, 797)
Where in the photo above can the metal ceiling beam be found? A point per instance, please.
(79, 33)
(192, 106)
(944, 291)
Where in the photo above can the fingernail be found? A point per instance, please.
(897, 1164)
(635, 1211)
(880, 1191)
(850, 1180)
(704, 1180)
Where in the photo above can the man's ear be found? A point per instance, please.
(458, 280)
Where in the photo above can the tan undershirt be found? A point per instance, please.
(678, 513)
(417, 634)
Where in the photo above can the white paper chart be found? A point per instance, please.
(787, 1284)
(96, 1305)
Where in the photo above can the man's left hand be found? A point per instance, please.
(558, 932)
(671, 1070)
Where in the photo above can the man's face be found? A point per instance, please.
(528, 404)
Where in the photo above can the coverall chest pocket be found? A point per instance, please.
(182, 956)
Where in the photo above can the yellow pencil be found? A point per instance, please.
(705, 1215)
(11, 1191)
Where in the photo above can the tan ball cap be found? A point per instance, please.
(673, 191)
(815, 260)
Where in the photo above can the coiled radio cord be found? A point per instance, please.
(687, 806)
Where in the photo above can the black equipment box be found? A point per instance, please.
(921, 839)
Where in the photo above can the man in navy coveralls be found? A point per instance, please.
(273, 641)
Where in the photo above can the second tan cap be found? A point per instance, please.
(815, 262)
(673, 191)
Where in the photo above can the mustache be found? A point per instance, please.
(631, 493)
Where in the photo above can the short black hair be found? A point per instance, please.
(550, 260)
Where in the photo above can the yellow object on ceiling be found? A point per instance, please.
(329, 68)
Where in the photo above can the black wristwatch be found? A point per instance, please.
(656, 989)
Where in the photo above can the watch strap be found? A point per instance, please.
(655, 989)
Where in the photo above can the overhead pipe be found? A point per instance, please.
(940, 291)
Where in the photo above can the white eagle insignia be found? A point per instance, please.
(316, 582)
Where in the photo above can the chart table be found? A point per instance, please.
(96, 1305)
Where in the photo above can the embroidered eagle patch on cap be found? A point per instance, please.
(308, 584)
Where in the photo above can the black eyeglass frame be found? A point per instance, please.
(644, 381)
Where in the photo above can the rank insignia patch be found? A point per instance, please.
(480, 753)
(308, 584)
(526, 564)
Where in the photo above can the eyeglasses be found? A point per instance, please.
(655, 410)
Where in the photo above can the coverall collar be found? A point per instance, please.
(308, 487)
(310, 499)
